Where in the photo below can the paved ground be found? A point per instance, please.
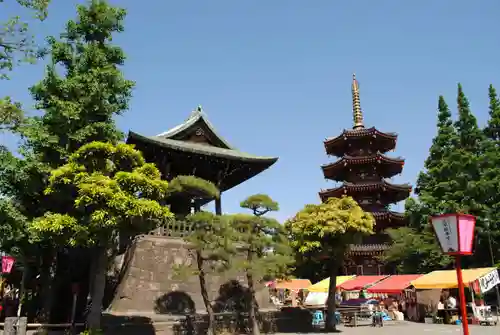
(420, 329)
(389, 329)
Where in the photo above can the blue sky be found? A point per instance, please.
(274, 76)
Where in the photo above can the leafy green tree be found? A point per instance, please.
(113, 192)
(262, 242)
(213, 248)
(327, 230)
(16, 43)
(79, 104)
(415, 251)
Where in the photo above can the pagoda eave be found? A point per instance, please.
(367, 249)
(386, 166)
(338, 145)
(395, 192)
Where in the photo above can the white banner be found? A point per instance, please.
(446, 231)
(489, 281)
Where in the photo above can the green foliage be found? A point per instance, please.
(80, 104)
(113, 190)
(328, 228)
(415, 252)
(11, 115)
(260, 204)
(13, 237)
(16, 44)
(193, 187)
(262, 239)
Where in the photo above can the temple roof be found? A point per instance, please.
(335, 170)
(201, 149)
(399, 192)
(197, 125)
(197, 119)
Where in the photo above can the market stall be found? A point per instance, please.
(318, 293)
(288, 292)
(395, 284)
(446, 279)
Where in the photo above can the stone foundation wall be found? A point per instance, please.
(149, 284)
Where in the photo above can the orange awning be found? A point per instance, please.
(393, 284)
(292, 284)
(360, 282)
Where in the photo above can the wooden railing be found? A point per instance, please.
(172, 228)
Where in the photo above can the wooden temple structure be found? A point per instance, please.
(194, 148)
(364, 171)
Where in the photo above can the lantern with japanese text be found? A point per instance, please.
(7, 264)
(455, 233)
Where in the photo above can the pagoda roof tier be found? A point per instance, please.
(394, 192)
(367, 249)
(387, 166)
(339, 145)
(389, 215)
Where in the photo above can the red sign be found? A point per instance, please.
(7, 264)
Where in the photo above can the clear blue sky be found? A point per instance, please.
(274, 76)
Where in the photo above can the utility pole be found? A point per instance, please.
(492, 259)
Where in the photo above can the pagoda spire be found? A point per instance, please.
(356, 104)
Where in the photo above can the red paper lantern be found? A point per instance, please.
(7, 264)
(455, 233)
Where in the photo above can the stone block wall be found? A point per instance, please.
(150, 285)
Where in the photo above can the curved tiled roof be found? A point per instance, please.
(360, 132)
(383, 185)
(196, 116)
(334, 170)
(202, 149)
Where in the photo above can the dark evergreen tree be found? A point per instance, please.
(488, 188)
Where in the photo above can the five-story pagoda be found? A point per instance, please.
(364, 170)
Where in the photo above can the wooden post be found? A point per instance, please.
(218, 206)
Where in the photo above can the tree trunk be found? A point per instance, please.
(94, 317)
(253, 310)
(47, 285)
(22, 291)
(331, 324)
(204, 294)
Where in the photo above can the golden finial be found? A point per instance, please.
(356, 105)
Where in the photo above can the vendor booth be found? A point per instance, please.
(318, 293)
(288, 292)
(393, 285)
(360, 283)
(446, 279)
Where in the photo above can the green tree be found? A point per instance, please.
(327, 230)
(490, 180)
(80, 105)
(415, 251)
(114, 192)
(213, 247)
(16, 43)
(262, 242)
(434, 182)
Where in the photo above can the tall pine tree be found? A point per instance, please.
(490, 179)
(435, 182)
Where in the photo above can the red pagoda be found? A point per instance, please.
(364, 170)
